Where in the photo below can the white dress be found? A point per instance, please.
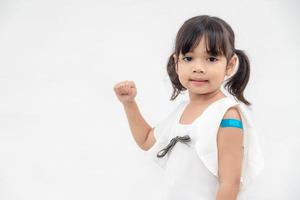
(191, 169)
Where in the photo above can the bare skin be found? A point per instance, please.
(126, 92)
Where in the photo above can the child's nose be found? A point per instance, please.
(199, 68)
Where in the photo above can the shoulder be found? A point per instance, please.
(162, 127)
(230, 132)
(232, 112)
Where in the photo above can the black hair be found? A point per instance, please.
(219, 38)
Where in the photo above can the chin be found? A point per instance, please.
(198, 90)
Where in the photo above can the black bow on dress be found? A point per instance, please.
(164, 151)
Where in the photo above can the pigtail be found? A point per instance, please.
(176, 85)
(237, 83)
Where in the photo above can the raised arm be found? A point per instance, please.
(141, 131)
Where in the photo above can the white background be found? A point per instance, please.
(63, 133)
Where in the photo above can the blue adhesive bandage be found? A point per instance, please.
(231, 123)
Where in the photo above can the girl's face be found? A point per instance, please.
(198, 65)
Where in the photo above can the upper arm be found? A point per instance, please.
(230, 150)
(150, 140)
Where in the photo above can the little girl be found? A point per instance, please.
(208, 145)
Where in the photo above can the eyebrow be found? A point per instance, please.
(205, 53)
(193, 52)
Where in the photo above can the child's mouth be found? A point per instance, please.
(198, 80)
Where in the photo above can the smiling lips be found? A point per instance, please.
(198, 80)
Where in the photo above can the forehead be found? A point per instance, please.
(200, 52)
(200, 48)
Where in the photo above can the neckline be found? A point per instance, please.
(179, 115)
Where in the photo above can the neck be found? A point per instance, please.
(205, 98)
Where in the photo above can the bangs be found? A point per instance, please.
(191, 34)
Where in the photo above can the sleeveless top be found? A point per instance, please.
(191, 169)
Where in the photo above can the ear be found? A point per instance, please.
(176, 65)
(231, 65)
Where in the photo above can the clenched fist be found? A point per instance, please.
(125, 91)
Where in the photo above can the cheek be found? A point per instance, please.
(217, 75)
(182, 71)
(183, 76)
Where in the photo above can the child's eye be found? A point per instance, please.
(187, 58)
(212, 59)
